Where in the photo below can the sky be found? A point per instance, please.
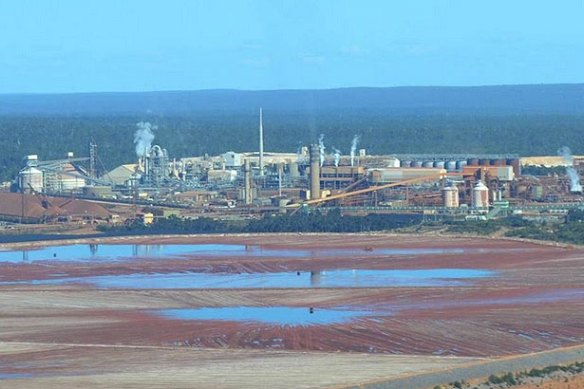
(66, 46)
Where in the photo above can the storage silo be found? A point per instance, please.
(406, 163)
(484, 162)
(428, 164)
(439, 164)
(294, 171)
(31, 179)
(461, 164)
(393, 162)
(450, 166)
(416, 163)
(450, 196)
(480, 195)
(473, 162)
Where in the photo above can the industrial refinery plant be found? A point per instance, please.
(460, 186)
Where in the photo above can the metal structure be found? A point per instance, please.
(156, 167)
(92, 159)
(371, 189)
(261, 161)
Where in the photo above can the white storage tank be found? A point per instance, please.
(31, 177)
(480, 195)
(393, 162)
(450, 196)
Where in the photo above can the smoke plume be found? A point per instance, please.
(321, 148)
(337, 156)
(143, 138)
(575, 185)
(354, 144)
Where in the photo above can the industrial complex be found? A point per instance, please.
(251, 183)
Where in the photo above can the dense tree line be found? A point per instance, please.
(216, 132)
(332, 221)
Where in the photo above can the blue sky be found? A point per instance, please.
(130, 45)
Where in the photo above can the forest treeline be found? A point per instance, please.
(52, 136)
(331, 221)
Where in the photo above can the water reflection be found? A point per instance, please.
(338, 278)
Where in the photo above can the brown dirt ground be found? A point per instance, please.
(533, 304)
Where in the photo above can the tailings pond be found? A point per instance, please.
(114, 252)
(338, 278)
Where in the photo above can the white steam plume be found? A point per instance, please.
(143, 138)
(321, 148)
(354, 144)
(337, 156)
(575, 185)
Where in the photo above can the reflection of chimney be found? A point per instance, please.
(261, 144)
(314, 172)
(315, 278)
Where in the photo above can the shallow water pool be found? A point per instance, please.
(291, 316)
(112, 252)
(338, 278)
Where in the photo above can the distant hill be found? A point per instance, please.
(490, 100)
(525, 120)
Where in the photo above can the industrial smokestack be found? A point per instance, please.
(261, 143)
(315, 156)
(354, 145)
(248, 194)
(575, 185)
(321, 149)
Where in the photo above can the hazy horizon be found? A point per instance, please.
(294, 89)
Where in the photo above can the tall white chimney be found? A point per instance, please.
(261, 144)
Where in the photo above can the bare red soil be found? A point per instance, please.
(535, 302)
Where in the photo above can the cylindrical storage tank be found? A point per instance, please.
(461, 164)
(484, 162)
(473, 162)
(393, 162)
(427, 164)
(450, 166)
(498, 162)
(416, 164)
(480, 195)
(406, 163)
(294, 171)
(450, 197)
(31, 178)
(439, 164)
